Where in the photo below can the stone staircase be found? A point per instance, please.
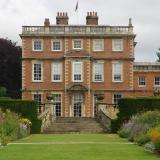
(74, 125)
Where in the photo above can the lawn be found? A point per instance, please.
(74, 147)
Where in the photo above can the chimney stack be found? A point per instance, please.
(130, 22)
(92, 18)
(62, 18)
(46, 22)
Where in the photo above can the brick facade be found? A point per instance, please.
(67, 55)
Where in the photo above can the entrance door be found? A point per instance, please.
(77, 105)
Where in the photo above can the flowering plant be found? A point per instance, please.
(155, 137)
(26, 121)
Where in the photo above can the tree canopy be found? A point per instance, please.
(158, 55)
(10, 67)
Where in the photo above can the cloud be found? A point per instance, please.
(144, 13)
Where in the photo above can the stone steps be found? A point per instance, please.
(74, 125)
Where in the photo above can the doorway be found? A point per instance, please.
(77, 102)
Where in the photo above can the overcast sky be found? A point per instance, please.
(145, 16)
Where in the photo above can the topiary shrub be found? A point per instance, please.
(133, 105)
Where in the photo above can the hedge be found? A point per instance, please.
(25, 108)
(133, 105)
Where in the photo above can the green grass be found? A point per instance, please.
(73, 137)
(95, 151)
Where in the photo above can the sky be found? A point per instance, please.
(145, 16)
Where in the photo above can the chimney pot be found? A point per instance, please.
(91, 18)
(62, 18)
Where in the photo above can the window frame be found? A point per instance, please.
(39, 102)
(35, 50)
(52, 73)
(158, 81)
(113, 97)
(60, 94)
(94, 64)
(114, 49)
(142, 85)
(73, 46)
(113, 72)
(98, 50)
(33, 78)
(73, 69)
(56, 40)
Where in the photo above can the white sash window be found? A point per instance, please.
(56, 72)
(77, 71)
(98, 72)
(117, 72)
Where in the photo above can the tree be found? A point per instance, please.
(10, 67)
(3, 91)
(158, 55)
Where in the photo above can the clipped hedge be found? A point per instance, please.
(25, 108)
(133, 105)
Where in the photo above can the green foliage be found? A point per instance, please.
(123, 133)
(9, 126)
(4, 98)
(155, 137)
(158, 55)
(131, 106)
(3, 91)
(143, 139)
(10, 67)
(138, 127)
(26, 109)
(115, 125)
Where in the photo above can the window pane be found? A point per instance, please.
(38, 98)
(77, 71)
(37, 72)
(117, 72)
(142, 81)
(57, 70)
(157, 80)
(37, 45)
(77, 44)
(116, 98)
(98, 72)
(57, 104)
(56, 45)
(98, 45)
(117, 44)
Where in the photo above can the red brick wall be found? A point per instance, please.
(48, 56)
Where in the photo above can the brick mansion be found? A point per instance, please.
(74, 64)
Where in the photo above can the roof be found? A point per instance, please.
(146, 63)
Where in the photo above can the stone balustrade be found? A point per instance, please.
(76, 30)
